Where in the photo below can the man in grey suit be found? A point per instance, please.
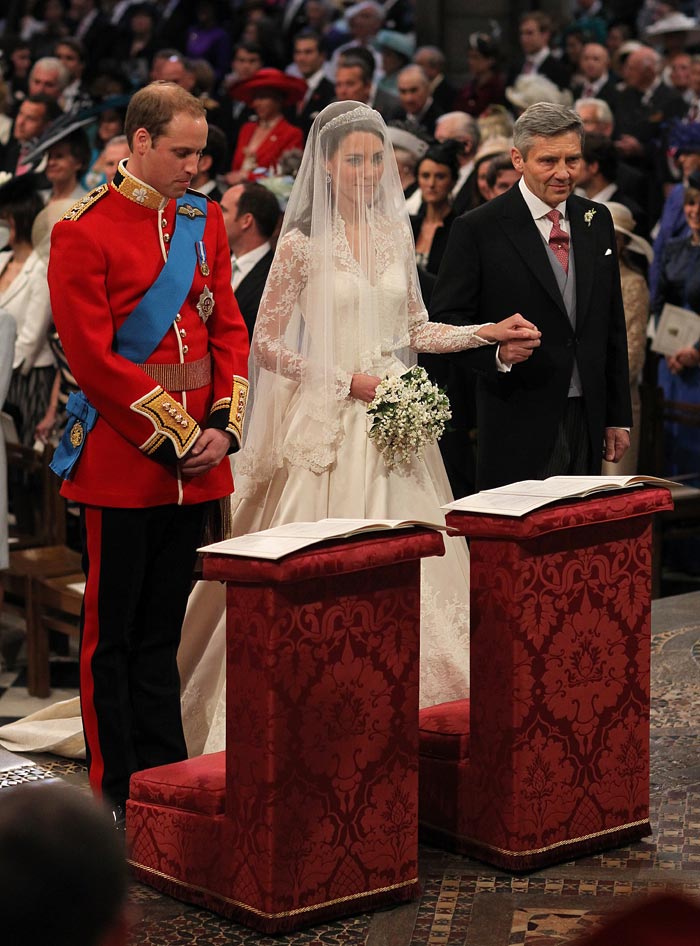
(550, 255)
(251, 215)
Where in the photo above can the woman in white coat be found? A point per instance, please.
(24, 293)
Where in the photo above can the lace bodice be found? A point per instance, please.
(376, 309)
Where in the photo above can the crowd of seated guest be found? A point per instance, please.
(266, 68)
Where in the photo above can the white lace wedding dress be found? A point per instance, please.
(301, 484)
(296, 482)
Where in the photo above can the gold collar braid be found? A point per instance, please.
(134, 189)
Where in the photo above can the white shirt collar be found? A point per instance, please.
(538, 58)
(537, 207)
(247, 261)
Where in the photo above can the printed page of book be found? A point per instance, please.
(518, 499)
(677, 328)
(282, 540)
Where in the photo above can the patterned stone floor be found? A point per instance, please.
(465, 903)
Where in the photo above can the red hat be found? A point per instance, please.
(290, 89)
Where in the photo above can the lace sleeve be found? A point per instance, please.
(285, 284)
(436, 337)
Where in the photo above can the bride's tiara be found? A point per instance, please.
(362, 112)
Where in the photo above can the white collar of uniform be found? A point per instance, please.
(537, 207)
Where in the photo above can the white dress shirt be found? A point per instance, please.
(243, 264)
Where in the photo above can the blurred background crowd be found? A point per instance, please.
(265, 68)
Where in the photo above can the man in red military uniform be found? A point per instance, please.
(153, 430)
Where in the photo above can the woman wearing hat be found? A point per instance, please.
(679, 374)
(262, 143)
(635, 298)
(486, 85)
(684, 146)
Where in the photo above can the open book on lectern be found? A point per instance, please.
(283, 540)
(518, 499)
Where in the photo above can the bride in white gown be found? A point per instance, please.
(341, 311)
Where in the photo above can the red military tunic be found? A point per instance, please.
(105, 254)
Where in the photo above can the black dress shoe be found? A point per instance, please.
(119, 817)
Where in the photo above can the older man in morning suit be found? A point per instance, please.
(561, 410)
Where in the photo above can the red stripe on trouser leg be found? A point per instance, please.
(89, 642)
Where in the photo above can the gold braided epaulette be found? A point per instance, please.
(86, 202)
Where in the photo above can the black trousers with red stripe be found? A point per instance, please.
(138, 565)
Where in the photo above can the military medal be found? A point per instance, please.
(205, 305)
(202, 257)
(77, 435)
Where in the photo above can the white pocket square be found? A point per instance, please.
(608, 252)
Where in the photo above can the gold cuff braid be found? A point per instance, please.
(235, 405)
(170, 419)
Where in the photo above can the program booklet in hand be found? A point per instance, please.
(283, 540)
(518, 499)
(678, 328)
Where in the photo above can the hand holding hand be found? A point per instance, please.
(211, 447)
(616, 443)
(364, 387)
(514, 328)
(518, 338)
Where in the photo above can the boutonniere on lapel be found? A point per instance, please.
(588, 216)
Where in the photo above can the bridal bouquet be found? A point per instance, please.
(408, 412)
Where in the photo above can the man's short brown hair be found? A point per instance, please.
(155, 106)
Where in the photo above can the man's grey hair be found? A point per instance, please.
(54, 65)
(603, 112)
(415, 70)
(544, 120)
(461, 126)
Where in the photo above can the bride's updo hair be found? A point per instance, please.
(334, 126)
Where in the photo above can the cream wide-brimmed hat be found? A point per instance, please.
(675, 23)
(624, 222)
(496, 144)
(531, 89)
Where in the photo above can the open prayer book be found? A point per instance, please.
(518, 499)
(283, 540)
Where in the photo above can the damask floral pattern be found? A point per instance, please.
(321, 768)
(558, 757)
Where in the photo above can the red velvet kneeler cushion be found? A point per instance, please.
(197, 785)
(444, 731)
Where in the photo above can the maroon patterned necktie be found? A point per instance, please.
(559, 240)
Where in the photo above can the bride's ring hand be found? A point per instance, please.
(364, 387)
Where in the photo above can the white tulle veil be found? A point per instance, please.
(337, 298)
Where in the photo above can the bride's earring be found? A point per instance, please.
(329, 178)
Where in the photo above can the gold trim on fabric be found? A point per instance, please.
(270, 916)
(135, 190)
(182, 376)
(535, 850)
(85, 203)
(237, 410)
(152, 444)
(169, 418)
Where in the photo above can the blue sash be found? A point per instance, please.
(143, 331)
